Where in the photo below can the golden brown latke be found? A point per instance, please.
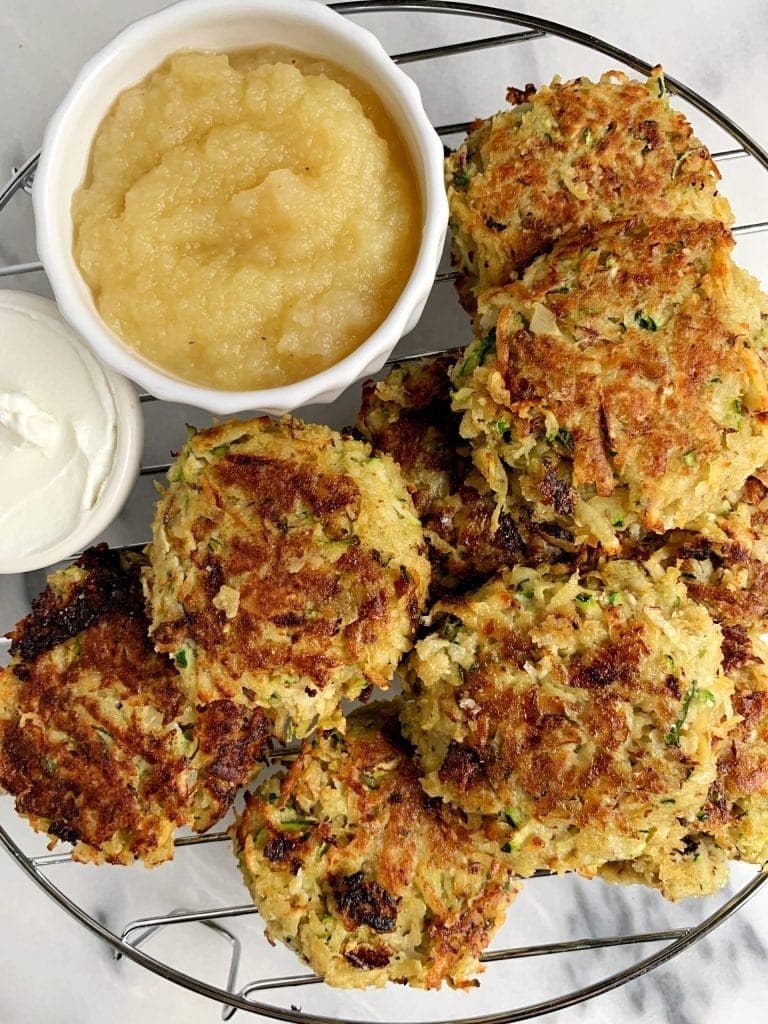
(581, 711)
(622, 380)
(364, 876)
(724, 566)
(287, 570)
(408, 415)
(570, 155)
(97, 742)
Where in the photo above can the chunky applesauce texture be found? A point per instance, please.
(247, 219)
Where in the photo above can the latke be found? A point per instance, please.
(723, 563)
(408, 415)
(571, 155)
(287, 570)
(580, 711)
(724, 566)
(97, 743)
(622, 380)
(356, 869)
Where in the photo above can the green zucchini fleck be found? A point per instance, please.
(672, 739)
(565, 438)
(477, 356)
(450, 629)
(512, 816)
(645, 321)
(372, 780)
(297, 824)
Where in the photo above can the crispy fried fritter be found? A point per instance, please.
(355, 868)
(408, 415)
(286, 570)
(723, 563)
(573, 154)
(580, 711)
(622, 380)
(97, 742)
(724, 566)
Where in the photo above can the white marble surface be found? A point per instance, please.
(51, 970)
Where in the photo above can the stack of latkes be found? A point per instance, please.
(604, 697)
(569, 522)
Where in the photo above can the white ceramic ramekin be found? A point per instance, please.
(128, 440)
(303, 25)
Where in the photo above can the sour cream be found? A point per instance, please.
(58, 429)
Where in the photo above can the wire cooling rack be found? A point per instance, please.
(202, 862)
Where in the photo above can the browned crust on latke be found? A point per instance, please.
(644, 404)
(735, 594)
(276, 484)
(280, 598)
(615, 421)
(107, 590)
(80, 786)
(462, 767)
(362, 902)
(368, 958)
(233, 741)
(608, 150)
(75, 748)
(395, 820)
(422, 435)
(617, 661)
(266, 567)
(468, 539)
(557, 493)
(557, 703)
(536, 734)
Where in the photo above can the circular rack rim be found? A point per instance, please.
(682, 939)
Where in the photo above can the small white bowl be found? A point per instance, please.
(129, 426)
(304, 25)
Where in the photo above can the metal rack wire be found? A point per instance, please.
(136, 933)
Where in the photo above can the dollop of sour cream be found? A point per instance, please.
(58, 427)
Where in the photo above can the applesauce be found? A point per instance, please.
(247, 219)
